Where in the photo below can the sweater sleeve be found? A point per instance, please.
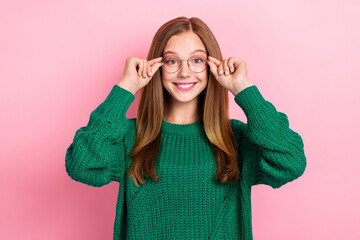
(97, 154)
(279, 156)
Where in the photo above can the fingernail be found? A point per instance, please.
(226, 72)
(220, 72)
(231, 69)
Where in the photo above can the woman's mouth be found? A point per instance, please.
(185, 87)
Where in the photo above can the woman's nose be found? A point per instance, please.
(184, 70)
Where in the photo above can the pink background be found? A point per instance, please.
(60, 59)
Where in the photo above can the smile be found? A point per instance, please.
(185, 87)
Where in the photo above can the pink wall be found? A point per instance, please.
(59, 60)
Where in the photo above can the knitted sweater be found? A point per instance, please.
(186, 203)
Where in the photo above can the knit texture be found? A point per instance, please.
(187, 203)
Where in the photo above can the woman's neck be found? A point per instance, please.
(182, 116)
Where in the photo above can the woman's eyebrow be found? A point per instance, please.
(197, 50)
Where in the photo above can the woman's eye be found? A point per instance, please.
(198, 60)
(171, 61)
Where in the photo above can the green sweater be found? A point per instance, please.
(186, 203)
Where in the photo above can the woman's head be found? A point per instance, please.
(159, 94)
(183, 35)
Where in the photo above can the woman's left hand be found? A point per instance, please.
(236, 79)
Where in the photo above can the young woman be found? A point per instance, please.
(199, 165)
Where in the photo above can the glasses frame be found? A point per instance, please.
(188, 64)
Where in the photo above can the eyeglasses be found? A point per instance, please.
(196, 63)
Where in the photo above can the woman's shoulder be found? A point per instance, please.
(132, 122)
(132, 126)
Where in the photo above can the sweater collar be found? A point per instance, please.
(183, 129)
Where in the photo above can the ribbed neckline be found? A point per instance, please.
(183, 129)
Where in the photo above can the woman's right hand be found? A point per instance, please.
(138, 72)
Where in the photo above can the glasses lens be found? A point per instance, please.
(171, 63)
(197, 63)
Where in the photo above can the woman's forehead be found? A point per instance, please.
(191, 53)
(185, 43)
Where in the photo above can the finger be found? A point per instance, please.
(243, 67)
(140, 68)
(221, 69)
(155, 67)
(231, 64)
(144, 68)
(149, 70)
(225, 66)
(217, 62)
(213, 68)
(239, 63)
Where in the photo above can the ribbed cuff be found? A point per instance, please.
(117, 102)
(249, 99)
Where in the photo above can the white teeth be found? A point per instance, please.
(186, 86)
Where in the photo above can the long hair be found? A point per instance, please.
(213, 105)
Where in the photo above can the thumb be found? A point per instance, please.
(213, 68)
(155, 67)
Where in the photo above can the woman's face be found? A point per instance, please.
(184, 46)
